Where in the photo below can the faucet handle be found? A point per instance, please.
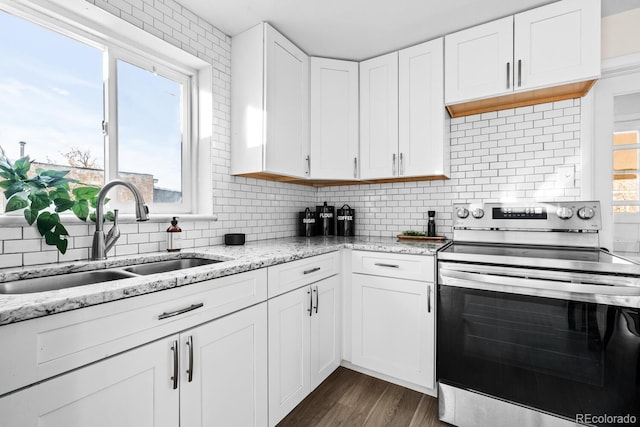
(114, 233)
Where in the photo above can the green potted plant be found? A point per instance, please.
(45, 194)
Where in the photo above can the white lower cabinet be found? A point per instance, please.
(221, 379)
(304, 343)
(133, 389)
(224, 371)
(393, 320)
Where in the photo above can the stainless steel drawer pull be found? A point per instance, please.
(428, 298)
(382, 264)
(310, 310)
(508, 75)
(355, 167)
(190, 369)
(311, 270)
(181, 311)
(174, 378)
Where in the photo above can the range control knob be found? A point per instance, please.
(586, 212)
(564, 212)
(477, 213)
(462, 213)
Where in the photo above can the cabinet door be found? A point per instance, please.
(287, 106)
(557, 43)
(478, 61)
(326, 325)
(421, 103)
(393, 327)
(289, 328)
(379, 117)
(131, 389)
(334, 119)
(228, 384)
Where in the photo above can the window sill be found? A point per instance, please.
(17, 220)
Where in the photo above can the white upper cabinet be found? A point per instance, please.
(552, 45)
(478, 61)
(334, 119)
(421, 146)
(269, 104)
(402, 123)
(379, 117)
(558, 43)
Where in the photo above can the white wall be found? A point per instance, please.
(621, 34)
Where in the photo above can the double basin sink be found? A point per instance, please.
(70, 280)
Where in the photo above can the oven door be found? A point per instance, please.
(568, 350)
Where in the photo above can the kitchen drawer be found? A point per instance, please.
(292, 275)
(50, 345)
(400, 266)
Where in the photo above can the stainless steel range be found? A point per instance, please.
(537, 325)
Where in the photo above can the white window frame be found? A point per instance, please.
(120, 40)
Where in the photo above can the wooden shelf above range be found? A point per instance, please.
(521, 99)
(331, 183)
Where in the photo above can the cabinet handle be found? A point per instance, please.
(519, 72)
(174, 378)
(311, 270)
(508, 75)
(382, 264)
(355, 167)
(308, 159)
(190, 369)
(181, 311)
(393, 164)
(310, 310)
(401, 168)
(317, 298)
(428, 298)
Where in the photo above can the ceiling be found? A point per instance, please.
(361, 29)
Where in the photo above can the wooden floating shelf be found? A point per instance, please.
(522, 99)
(328, 183)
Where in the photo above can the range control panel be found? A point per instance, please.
(557, 216)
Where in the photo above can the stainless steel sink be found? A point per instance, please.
(61, 281)
(170, 265)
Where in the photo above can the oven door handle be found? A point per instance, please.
(510, 281)
(606, 294)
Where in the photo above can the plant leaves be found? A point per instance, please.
(15, 187)
(60, 230)
(109, 216)
(22, 166)
(45, 223)
(55, 174)
(39, 200)
(53, 239)
(85, 193)
(15, 203)
(81, 209)
(59, 193)
(30, 216)
(92, 217)
(6, 183)
(63, 204)
(94, 202)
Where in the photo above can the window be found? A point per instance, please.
(75, 101)
(626, 195)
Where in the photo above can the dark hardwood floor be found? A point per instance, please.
(349, 398)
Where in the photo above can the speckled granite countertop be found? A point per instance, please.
(237, 259)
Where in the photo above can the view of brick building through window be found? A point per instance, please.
(625, 171)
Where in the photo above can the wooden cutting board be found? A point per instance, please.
(403, 237)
